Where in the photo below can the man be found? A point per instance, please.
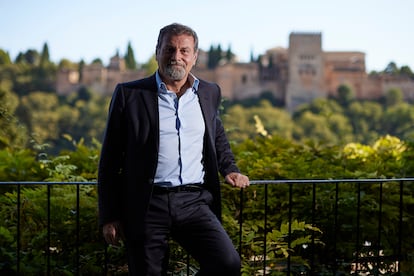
(163, 149)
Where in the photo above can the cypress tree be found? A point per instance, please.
(44, 56)
(129, 58)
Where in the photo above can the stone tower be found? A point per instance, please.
(306, 76)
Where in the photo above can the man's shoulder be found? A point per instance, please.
(205, 85)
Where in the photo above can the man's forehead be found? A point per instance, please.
(181, 37)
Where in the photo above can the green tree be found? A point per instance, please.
(393, 97)
(12, 133)
(215, 55)
(323, 120)
(130, 58)
(4, 58)
(406, 71)
(366, 120)
(345, 95)
(39, 111)
(45, 72)
(80, 68)
(319, 106)
(67, 64)
(398, 120)
(314, 126)
(44, 56)
(391, 69)
(30, 57)
(97, 61)
(242, 123)
(88, 108)
(229, 54)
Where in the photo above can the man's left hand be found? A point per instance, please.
(237, 180)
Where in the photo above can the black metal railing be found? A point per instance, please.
(374, 251)
(18, 215)
(354, 238)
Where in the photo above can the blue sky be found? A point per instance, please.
(89, 29)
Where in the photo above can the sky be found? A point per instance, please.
(89, 29)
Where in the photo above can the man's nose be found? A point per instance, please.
(176, 55)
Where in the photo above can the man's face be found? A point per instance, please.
(176, 57)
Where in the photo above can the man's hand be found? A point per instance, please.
(237, 180)
(112, 233)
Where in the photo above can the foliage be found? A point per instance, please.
(12, 133)
(242, 121)
(35, 242)
(4, 57)
(266, 157)
(78, 165)
(20, 165)
(276, 158)
(337, 121)
(39, 110)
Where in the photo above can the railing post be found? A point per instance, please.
(400, 257)
(18, 228)
(379, 230)
(312, 263)
(265, 231)
(77, 227)
(48, 230)
(290, 226)
(241, 222)
(336, 227)
(357, 244)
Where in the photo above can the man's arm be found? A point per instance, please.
(110, 163)
(226, 161)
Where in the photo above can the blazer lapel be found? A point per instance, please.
(208, 112)
(149, 98)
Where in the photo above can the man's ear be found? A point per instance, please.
(195, 58)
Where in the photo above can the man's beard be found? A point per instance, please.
(175, 72)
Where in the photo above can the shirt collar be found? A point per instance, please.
(163, 88)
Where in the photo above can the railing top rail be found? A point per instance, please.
(349, 180)
(47, 183)
(252, 182)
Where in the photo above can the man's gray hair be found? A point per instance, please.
(176, 29)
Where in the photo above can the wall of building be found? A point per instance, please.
(295, 75)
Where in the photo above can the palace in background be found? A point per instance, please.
(294, 76)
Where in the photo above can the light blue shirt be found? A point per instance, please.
(181, 136)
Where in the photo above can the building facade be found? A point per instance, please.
(294, 75)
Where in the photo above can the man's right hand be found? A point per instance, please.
(112, 233)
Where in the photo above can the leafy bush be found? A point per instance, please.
(262, 158)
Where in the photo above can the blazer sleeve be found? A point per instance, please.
(110, 170)
(225, 157)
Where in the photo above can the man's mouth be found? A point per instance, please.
(176, 64)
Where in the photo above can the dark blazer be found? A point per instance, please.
(130, 151)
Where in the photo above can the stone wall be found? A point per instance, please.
(295, 75)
